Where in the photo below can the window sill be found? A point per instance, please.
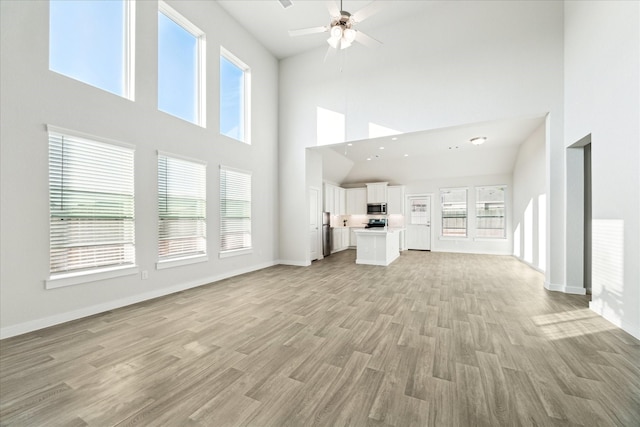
(69, 279)
(177, 262)
(237, 252)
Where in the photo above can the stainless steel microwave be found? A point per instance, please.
(376, 208)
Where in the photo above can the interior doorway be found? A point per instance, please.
(579, 221)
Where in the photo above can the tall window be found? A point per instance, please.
(490, 212)
(92, 41)
(235, 91)
(454, 212)
(182, 207)
(181, 66)
(91, 202)
(235, 210)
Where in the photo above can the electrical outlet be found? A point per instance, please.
(145, 274)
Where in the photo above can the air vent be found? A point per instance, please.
(286, 3)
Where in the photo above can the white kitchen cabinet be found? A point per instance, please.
(395, 199)
(377, 192)
(329, 200)
(353, 237)
(340, 236)
(356, 201)
(339, 202)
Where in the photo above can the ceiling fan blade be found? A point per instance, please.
(305, 31)
(367, 11)
(367, 40)
(334, 9)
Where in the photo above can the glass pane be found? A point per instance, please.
(231, 100)
(490, 212)
(86, 42)
(177, 70)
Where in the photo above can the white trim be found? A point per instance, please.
(232, 169)
(93, 138)
(76, 278)
(246, 72)
(33, 325)
(294, 262)
(181, 157)
(490, 239)
(598, 308)
(472, 252)
(130, 50)
(528, 264)
(177, 262)
(575, 290)
(235, 252)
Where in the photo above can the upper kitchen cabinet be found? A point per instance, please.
(395, 199)
(334, 199)
(356, 201)
(377, 192)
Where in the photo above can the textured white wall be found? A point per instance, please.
(33, 96)
(448, 72)
(602, 98)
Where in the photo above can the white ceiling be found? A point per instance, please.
(269, 22)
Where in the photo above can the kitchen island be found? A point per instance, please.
(377, 246)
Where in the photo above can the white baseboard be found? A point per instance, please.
(472, 252)
(45, 322)
(598, 308)
(294, 263)
(576, 290)
(535, 267)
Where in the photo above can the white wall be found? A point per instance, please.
(468, 244)
(33, 96)
(602, 98)
(452, 73)
(529, 201)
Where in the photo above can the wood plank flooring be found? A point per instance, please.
(435, 339)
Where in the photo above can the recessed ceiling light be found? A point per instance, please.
(478, 140)
(368, 158)
(382, 148)
(406, 155)
(349, 144)
(395, 138)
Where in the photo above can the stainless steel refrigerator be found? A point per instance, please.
(326, 233)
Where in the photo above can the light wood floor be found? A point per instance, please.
(434, 339)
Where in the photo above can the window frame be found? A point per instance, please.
(128, 53)
(244, 250)
(246, 95)
(201, 63)
(78, 276)
(442, 217)
(502, 188)
(192, 257)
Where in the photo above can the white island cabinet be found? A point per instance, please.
(378, 246)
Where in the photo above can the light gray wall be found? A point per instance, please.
(529, 199)
(448, 73)
(602, 98)
(33, 96)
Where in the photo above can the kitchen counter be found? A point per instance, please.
(378, 246)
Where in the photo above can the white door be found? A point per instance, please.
(418, 222)
(314, 228)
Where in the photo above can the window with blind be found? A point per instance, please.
(91, 202)
(235, 210)
(490, 211)
(182, 206)
(454, 212)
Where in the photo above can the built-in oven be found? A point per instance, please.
(376, 208)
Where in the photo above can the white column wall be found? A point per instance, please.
(602, 98)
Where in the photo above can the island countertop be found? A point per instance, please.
(379, 230)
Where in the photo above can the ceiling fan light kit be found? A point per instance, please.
(342, 35)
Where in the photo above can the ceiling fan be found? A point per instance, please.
(342, 33)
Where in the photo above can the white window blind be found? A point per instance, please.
(235, 209)
(490, 212)
(454, 212)
(182, 206)
(91, 202)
